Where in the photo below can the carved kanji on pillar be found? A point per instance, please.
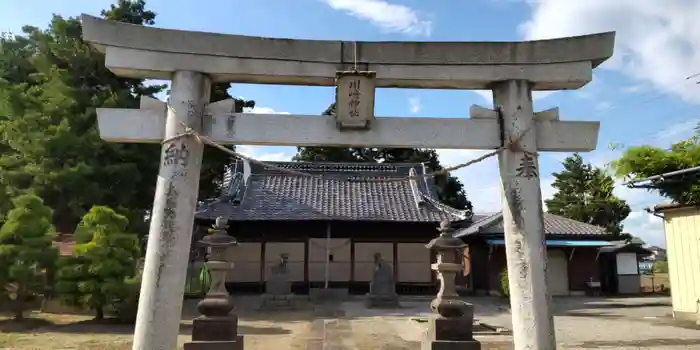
(528, 166)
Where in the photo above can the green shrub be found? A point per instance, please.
(125, 310)
(103, 259)
(26, 251)
(505, 287)
(660, 266)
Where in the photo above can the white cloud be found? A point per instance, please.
(414, 102)
(264, 110)
(657, 42)
(481, 180)
(385, 15)
(647, 227)
(603, 105)
(487, 95)
(267, 153)
(662, 138)
(675, 132)
(633, 89)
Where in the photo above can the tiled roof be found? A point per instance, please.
(340, 191)
(553, 225)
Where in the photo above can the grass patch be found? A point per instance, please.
(656, 283)
(41, 331)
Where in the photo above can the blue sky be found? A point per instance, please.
(640, 96)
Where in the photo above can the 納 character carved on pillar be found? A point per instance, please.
(176, 155)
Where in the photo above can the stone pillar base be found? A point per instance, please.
(236, 344)
(277, 302)
(215, 333)
(450, 345)
(450, 334)
(381, 301)
(223, 328)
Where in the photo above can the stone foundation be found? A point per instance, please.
(382, 301)
(277, 302)
(214, 333)
(449, 334)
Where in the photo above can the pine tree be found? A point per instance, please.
(26, 252)
(104, 258)
(51, 82)
(585, 193)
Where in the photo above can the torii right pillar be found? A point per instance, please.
(526, 253)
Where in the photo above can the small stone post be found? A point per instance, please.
(452, 328)
(217, 328)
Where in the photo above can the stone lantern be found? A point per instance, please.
(217, 327)
(452, 328)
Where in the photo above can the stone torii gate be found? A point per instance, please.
(193, 60)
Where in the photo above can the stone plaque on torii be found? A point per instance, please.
(193, 60)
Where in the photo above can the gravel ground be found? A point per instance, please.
(620, 323)
(580, 324)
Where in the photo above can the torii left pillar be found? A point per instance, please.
(170, 233)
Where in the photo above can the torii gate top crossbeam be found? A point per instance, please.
(147, 52)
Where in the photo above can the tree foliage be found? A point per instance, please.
(26, 251)
(450, 189)
(660, 266)
(646, 161)
(51, 81)
(504, 283)
(585, 193)
(104, 257)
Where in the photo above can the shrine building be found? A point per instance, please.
(346, 212)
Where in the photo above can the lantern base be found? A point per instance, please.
(450, 345)
(373, 301)
(215, 329)
(450, 334)
(216, 344)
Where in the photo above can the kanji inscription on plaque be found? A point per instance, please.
(354, 99)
